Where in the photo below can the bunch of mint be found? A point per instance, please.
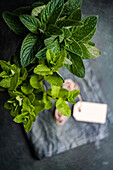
(54, 35)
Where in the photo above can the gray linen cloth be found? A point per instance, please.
(48, 139)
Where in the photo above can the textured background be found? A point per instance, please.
(15, 151)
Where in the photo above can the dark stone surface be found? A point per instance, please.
(15, 151)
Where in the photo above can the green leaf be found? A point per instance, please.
(39, 106)
(63, 108)
(22, 10)
(54, 79)
(93, 51)
(91, 43)
(66, 32)
(28, 124)
(31, 97)
(6, 66)
(20, 118)
(27, 107)
(64, 93)
(74, 47)
(89, 36)
(77, 68)
(59, 60)
(47, 101)
(26, 88)
(16, 93)
(37, 10)
(84, 31)
(42, 70)
(5, 82)
(15, 111)
(29, 49)
(19, 99)
(35, 81)
(30, 22)
(41, 54)
(72, 95)
(67, 61)
(14, 23)
(4, 74)
(76, 15)
(50, 55)
(54, 30)
(7, 105)
(70, 6)
(55, 91)
(23, 73)
(61, 38)
(14, 81)
(67, 23)
(49, 40)
(51, 12)
(55, 46)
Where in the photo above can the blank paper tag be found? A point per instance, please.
(90, 112)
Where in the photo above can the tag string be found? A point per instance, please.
(80, 99)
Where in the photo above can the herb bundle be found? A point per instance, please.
(53, 35)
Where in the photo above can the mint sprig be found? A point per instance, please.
(54, 35)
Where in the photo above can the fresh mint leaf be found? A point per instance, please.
(35, 81)
(37, 10)
(5, 83)
(74, 47)
(70, 6)
(89, 36)
(4, 74)
(23, 73)
(63, 93)
(41, 54)
(28, 124)
(14, 23)
(20, 118)
(30, 22)
(67, 23)
(31, 97)
(91, 43)
(75, 15)
(72, 95)
(27, 107)
(67, 33)
(93, 51)
(55, 91)
(14, 81)
(47, 101)
(29, 48)
(49, 40)
(67, 61)
(16, 93)
(54, 79)
(26, 88)
(15, 111)
(54, 30)
(42, 70)
(63, 108)
(51, 12)
(39, 106)
(77, 68)
(6, 66)
(84, 31)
